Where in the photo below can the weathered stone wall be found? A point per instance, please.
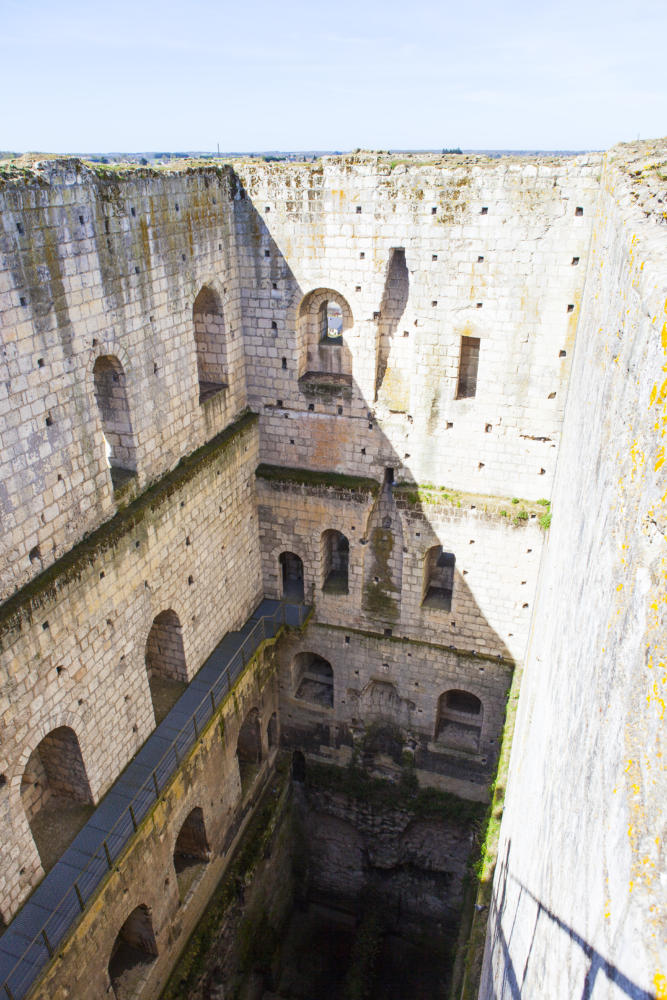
(74, 651)
(495, 250)
(384, 680)
(145, 875)
(579, 889)
(96, 267)
(496, 554)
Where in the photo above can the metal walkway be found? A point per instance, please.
(38, 930)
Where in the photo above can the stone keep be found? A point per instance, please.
(181, 435)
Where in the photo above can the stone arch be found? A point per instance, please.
(438, 586)
(55, 793)
(110, 389)
(313, 679)
(165, 662)
(249, 748)
(381, 702)
(210, 335)
(459, 720)
(191, 850)
(132, 954)
(291, 574)
(322, 352)
(335, 555)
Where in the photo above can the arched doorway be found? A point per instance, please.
(165, 663)
(210, 341)
(459, 720)
(335, 561)
(191, 851)
(249, 749)
(55, 794)
(314, 680)
(114, 408)
(291, 569)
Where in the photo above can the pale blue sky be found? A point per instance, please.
(145, 75)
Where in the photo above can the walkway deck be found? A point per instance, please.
(38, 930)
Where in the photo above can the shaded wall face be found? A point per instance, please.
(577, 898)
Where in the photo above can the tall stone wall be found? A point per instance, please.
(74, 650)
(97, 267)
(493, 250)
(579, 907)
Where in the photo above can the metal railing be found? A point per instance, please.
(42, 948)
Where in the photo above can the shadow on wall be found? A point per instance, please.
(313, 326)
(513, 979)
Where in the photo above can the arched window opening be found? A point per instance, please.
(55, 794)
(438, 579)
(314, 680)
(191, 851)
(112, 403)
(335, 560)
(133, 953)
(468, 365)
(249, 749)
(323, 322)
(331, 322)
(459, 720)
(210, 341)
(291, 569)
(165, 663)
(272, 732)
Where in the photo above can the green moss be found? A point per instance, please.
(378, 597)
(426, 803)
(74, 563)
(310, 477)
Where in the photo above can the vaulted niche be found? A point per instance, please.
(335, 559)
(55, 793)
(191, 851)
(210, 341)
(314, 680)
(132, 955)
(165, 663)
(438, 579)
(459, 720)
(323, 321)
(114, 409)
(392, 380)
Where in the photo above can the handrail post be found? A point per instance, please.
(132, 817)
(212, 700)
(106, 851)
(194, 724)
(47, 943)
(8, 991)
(79, 896)
(155, 785)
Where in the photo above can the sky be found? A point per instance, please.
(254, 75)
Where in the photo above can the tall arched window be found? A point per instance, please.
(249, 748)
(111, 397)
(291, 571)
(55, 793)
(210, 340)
(335, 560)
(323, 322)
(438, 578)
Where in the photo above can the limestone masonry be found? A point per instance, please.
(356, 383)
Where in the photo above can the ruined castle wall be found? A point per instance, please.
(145, 875)
(385, 680)
(494, 250)
(73, 652)
(96, 266)
(494, 580)
(577, 902)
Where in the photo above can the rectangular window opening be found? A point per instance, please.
(468, 365)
